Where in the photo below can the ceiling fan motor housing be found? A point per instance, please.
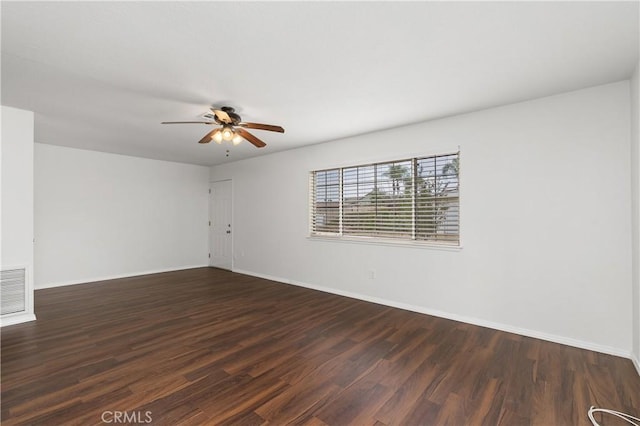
(235, 118)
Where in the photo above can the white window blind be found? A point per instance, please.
(414, 199)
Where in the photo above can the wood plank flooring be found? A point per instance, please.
(206, 346)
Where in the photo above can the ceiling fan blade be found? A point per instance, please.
(252, 139)
(222, 116)
(207, 138)
(269, 127)
(187, 122)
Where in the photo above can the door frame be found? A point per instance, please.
(211, 183)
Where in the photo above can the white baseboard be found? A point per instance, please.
(636, 362)
(13, 319)
(469, 320)
(117, 276)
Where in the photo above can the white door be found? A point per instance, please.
(220, 230)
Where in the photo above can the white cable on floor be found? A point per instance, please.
(623, 416)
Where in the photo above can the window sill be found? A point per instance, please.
(386, 242)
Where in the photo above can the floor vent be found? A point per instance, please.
(12, 291)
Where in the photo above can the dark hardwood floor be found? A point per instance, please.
(206, 346)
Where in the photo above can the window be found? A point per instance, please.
(415, 199)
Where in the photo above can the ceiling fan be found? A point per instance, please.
(232, 128)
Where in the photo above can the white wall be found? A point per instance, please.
(545, 201)
(101, 216)
(17, 199)
(635, 211)
(17, 186)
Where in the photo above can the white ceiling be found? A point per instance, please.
(103, 75)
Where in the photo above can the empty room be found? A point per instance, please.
(320, 213)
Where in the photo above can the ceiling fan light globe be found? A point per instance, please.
(237, 139)
(217, 137)
(227, 134)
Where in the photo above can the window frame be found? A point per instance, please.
(316, 235)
